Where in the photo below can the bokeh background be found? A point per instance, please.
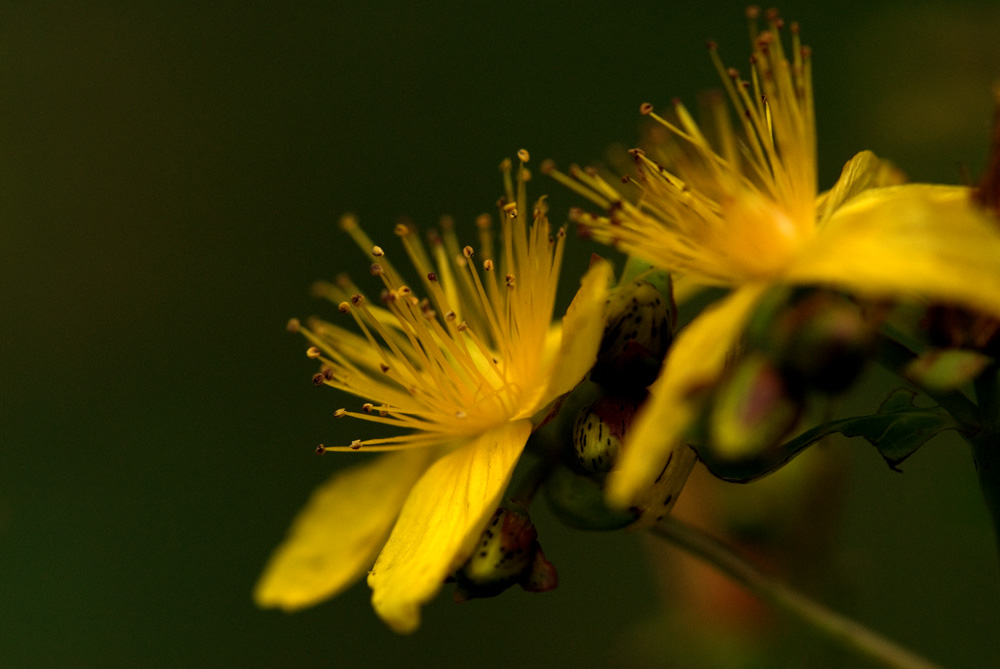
(170, 179)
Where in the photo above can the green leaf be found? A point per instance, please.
(897, 430)
(899, 427)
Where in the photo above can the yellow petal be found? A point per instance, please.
(582, 329)
(859, 174)
(441, 522)
(914, 240)
(335, 538)
(696, 359)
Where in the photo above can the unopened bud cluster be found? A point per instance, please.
(799, 343)
(639, 322)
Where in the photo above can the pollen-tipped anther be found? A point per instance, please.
(356, 444)
(377, 251)
(313, 352)
(523, 155)
(340, 413)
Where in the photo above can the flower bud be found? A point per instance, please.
(822, 339)
(639, 321)
(943, 370)
(507, 553)
(578, 501)
(751, 411)
(599, 430)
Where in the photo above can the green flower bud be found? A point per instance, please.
(578, 501)
(751, 411)
(942, 370)
(821, 339)
(599, 430)
(639, 321)
(507, 554)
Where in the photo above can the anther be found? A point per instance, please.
(523, 156)
(488, 265)
(753, 11)
(505, 165)
(510, 280)
(467, 251)
(377, 251)
(483, 221)
(794, 27)
(432, 277)
(321, 449)
(327, 373)
(733, 73)
(524, 174)
(548, 166)
(356, 444)
(348, 222)
(807, 52)
(402, 229)
(318, 380)
(404, 291)
(510, 209)
(450, 316)
(293, 325)
(712, 45)
(367, 407)
(356, 299)
(446, 222)
(343, 280)
(460, 414)
(340, 413)
(376, 269)
(645, 108)
(626, 179)
(384, 367)
(462, 327)
(313, 352)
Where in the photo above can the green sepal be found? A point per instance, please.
(578, 501)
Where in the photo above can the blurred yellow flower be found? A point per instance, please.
(747, 216)
(462, 372)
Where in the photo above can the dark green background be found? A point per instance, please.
(170, 178)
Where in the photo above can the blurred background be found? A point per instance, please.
(170, 179)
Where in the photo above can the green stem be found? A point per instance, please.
(986, 444)
(834, 626)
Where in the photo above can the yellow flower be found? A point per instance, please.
(461, 373)
(747, 216)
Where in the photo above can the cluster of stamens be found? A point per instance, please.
(458, 360)
(698, 203)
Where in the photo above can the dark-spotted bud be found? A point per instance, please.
(599, 430)
(507, 554)
(751, 411)
(943, 370)
(639, 320)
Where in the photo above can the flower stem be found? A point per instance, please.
(986, 444)
(835, 626)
